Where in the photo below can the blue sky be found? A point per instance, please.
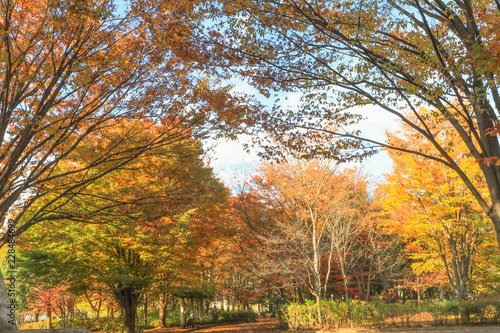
(232, 163)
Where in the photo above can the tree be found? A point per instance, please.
(308, 217)
(431, 208)
(140, 221)
(70, 70)
(399, 56)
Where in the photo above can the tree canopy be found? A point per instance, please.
(442, 55)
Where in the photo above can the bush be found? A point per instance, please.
(104, 324)
(380, 314)
(483, 312)
(219, 316)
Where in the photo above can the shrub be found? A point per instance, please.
(236, 316)
(106, 324)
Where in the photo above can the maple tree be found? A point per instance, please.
(398, 56)
(301, 217)
(57, 301)
(431, 208)
(70, 70)
(140, 223)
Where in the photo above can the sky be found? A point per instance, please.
(232, 164)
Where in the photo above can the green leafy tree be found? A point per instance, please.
(136, 224)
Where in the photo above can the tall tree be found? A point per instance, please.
(71, 69)
(307, 219)
(431, 208)
(139, 221)
(440, 54)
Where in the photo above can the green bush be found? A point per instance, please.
(109, 325)
(380, 314)
(484, 312)
(233, 316)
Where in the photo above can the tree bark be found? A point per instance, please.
(163, 309)
(145, 310)
(183, 313)
(201, 309)
(128, 299)
(191, 308)
(49, 318)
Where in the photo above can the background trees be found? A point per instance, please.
(305, 220)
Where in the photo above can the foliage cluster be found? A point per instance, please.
(233, 316)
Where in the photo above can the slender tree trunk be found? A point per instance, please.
(183, 313)
(98, 311)
(301, 297)
(191, 308)
(49, 318)
(145, 310)
(346, 287)
(201, 310)
(163, 309)
(368, 282)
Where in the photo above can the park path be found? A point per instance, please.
(261, 325)
(271, 326)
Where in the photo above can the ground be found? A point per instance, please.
(271, 326)
(262, 325)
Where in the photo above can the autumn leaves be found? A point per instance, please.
(103, 106)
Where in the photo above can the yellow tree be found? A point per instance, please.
(430, 207)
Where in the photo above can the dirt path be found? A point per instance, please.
(261, 325)
(271, 326)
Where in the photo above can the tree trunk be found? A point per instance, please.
(98, 311)
(183, 313)
(128, 299)
(191, 308)
(368, 283)
(49, 318)
(201, 310)
(301, 297)
(318, 305)
(163, 310)
(346, 289)
(145, 310)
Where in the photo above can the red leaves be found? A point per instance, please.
(54, 298)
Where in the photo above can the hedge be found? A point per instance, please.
(379, 314)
